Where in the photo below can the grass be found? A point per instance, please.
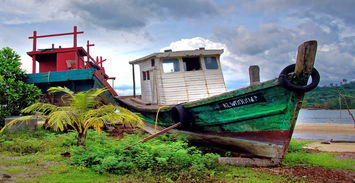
(297, 155)
(34, 156)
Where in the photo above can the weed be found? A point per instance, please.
(297, 145)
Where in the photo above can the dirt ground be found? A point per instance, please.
(312, 174)
(344, 150)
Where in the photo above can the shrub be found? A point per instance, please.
(174, 160)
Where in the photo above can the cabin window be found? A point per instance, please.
(171, 65)
(192, 63)
(211, 63)
(152, 61)
(146, 75)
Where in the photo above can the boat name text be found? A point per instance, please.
(250, 99)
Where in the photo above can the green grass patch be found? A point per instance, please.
(319, 159)
(297, 145)
(297, 155)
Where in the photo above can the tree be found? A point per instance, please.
(82, 113)
(15, 94)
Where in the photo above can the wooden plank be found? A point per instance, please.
(305, 60)
(48, 77)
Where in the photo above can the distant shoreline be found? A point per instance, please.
(327, 109)
(325, 128)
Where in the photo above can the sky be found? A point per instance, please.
(251, 32)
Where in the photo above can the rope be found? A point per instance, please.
(346, 96)
(156, 118)
(347, 106)
(49, 73)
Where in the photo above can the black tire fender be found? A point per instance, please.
(285, 82)
(180, 114)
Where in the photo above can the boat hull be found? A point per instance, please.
(257, 119)
(75, 80)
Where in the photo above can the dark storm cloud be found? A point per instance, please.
(121, 14)
(342, 9)
(273, 45)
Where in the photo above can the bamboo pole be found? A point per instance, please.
(347, 106)
(156, 134)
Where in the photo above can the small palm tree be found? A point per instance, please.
(82, 113)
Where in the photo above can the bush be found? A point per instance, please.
(23, 141)
(33, 141)
(174, 160)
(15, 94)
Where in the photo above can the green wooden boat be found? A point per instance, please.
(258, 119)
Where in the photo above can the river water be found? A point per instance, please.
(325, 116)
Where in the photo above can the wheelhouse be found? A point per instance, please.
(180, 76)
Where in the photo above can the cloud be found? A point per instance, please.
(272, 47)
(123, 15)
(233, 71)
(33, 11)
(305, 8)
(110, 14)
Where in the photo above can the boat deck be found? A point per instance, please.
(140, 104)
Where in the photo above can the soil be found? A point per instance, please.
(312, 174)
(346, 155)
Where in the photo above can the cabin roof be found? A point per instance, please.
(57, 50)
(185, 53)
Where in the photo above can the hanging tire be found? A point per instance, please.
(285, 82)
(180, 114)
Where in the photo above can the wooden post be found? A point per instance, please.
(34, 49)
(254, 75)
(33, 64)
(305, 60)
(134, 81)
(75, 37)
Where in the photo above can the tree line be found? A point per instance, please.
(334, 96)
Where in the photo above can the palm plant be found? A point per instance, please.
(82, 113)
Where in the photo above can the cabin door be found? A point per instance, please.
(153, 84)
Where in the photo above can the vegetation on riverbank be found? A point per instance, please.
(36, 157)
(327, 97)
(15, 94)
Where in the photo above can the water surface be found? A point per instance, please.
(325, 116)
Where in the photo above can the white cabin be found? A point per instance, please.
(173, 77)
